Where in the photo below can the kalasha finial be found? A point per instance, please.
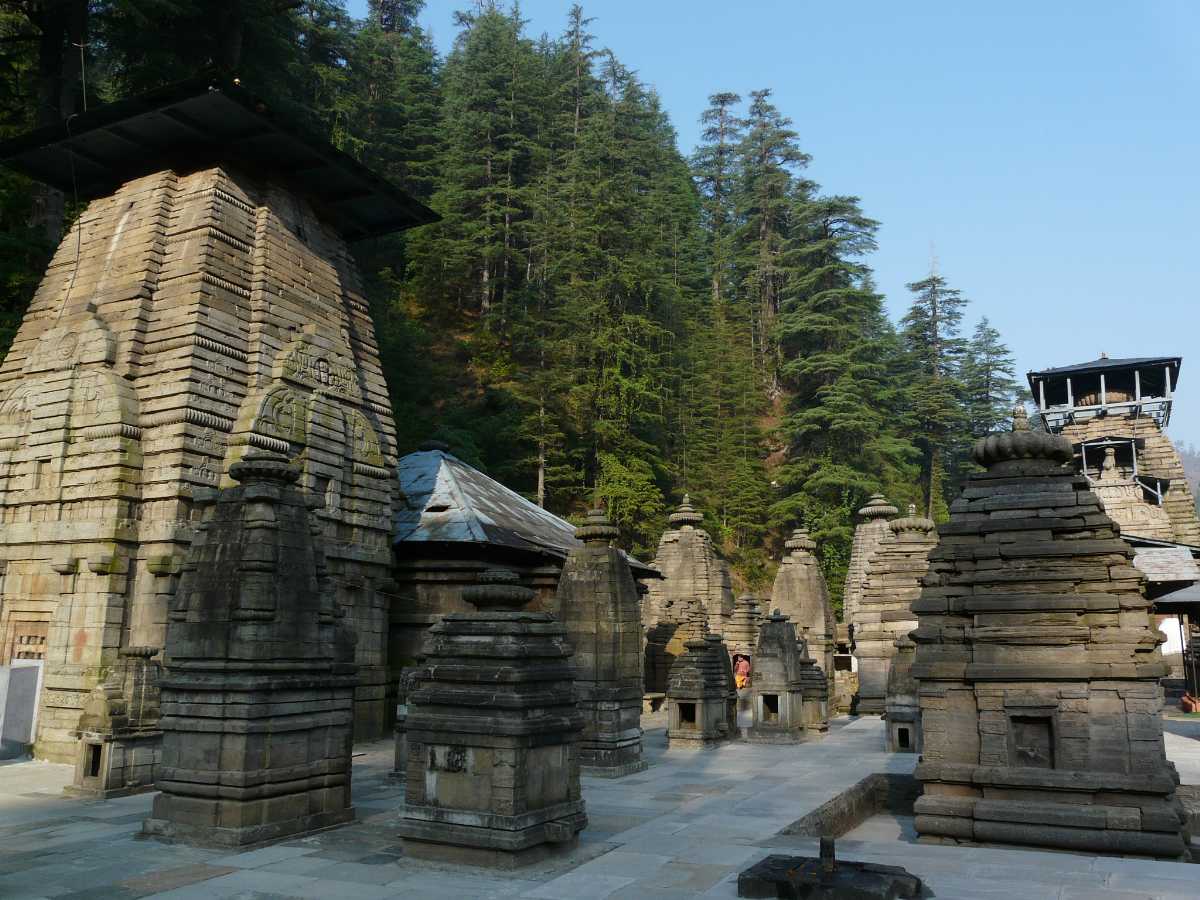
(261, 466)
(877, 508)
(597, 530)
(1020, 418)
(686, 514)
(800, 541)
(912, 509)
(499, 590)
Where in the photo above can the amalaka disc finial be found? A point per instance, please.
(686, 514)
(598, 529)
(498, 589)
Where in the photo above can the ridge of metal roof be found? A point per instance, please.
(210, 120)
(447, 501)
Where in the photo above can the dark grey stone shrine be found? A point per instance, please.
(789, 692)
(258, 678)
(701, 698)
(601, 611)
(493, 734)
(903, 712)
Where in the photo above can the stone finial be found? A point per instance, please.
(499, 590)
(912, 510)
(264, 467)
(912, 523)
(597, 530)
(877, 508)
(686, 514)
(1020, 418)
(800, 541)
(1021, 445)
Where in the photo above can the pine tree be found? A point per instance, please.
(935, 389)
(990, 387)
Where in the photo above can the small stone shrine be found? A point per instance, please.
(601, 612)
(868, 534)
(903, 710)
(493, 734)
(691, 570)
(701, 698)
(258, 675)
(892, 582)
(1039, 667)
(801, 595)
(119, 739)
(789, 691)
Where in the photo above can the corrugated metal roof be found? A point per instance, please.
(447, 501)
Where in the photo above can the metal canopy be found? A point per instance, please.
(206, 122)
(447, 502)
(1106, 365)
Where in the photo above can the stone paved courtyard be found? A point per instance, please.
(684, 828)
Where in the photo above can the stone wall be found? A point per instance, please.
(1158, 458)
(208, 313)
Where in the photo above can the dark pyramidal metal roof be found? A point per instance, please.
(447, 501)
(208, 121)
(1104, 364)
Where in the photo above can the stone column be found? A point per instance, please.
(493, 735)
(1039, 666)
(600, 610)
(258, 683)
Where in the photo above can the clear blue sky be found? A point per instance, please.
(1048, 152)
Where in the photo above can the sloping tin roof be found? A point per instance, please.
(1104, 364)
(447, 501)
(202, 122)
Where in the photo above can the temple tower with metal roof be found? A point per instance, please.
(204, 304)
(1115, 413)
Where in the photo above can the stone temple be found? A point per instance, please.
(800, 594)
(1038, 667)
(692, 569)
(205, 305)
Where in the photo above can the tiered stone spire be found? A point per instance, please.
(258, 682)
(601, 612)
(742, 633)
(1039, 667)
(892, 582)
(493, 733)
(692, 570)
(801, 595)
(871, 529)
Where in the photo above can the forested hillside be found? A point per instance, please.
(598, 311)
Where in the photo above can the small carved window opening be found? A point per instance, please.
(687, 715)
(1031, 741)
(902, 739)
(41, 473)
(93, 760)
(770, 705)
(321, 489)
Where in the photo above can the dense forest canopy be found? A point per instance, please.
(597, 313)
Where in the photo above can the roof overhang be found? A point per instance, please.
(211, 121)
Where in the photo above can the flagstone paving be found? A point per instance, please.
(683, 828)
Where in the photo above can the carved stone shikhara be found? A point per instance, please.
(801, 595)
(692, 570)
(601, 612)
(871, 529)
(195, 312)
(1038, 667)
(493, 734)
(892, 581)
(258, 681)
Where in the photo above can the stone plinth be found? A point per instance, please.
(700, 695)
(692, 569)
(779, 686)
(870, 531)
(601, 612)
(892, 582)
(493, 735)
(801, 595)
(1039, 668)
(119, 740)
(903, 710)
(258, 680)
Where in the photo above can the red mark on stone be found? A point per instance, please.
(78, 643)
